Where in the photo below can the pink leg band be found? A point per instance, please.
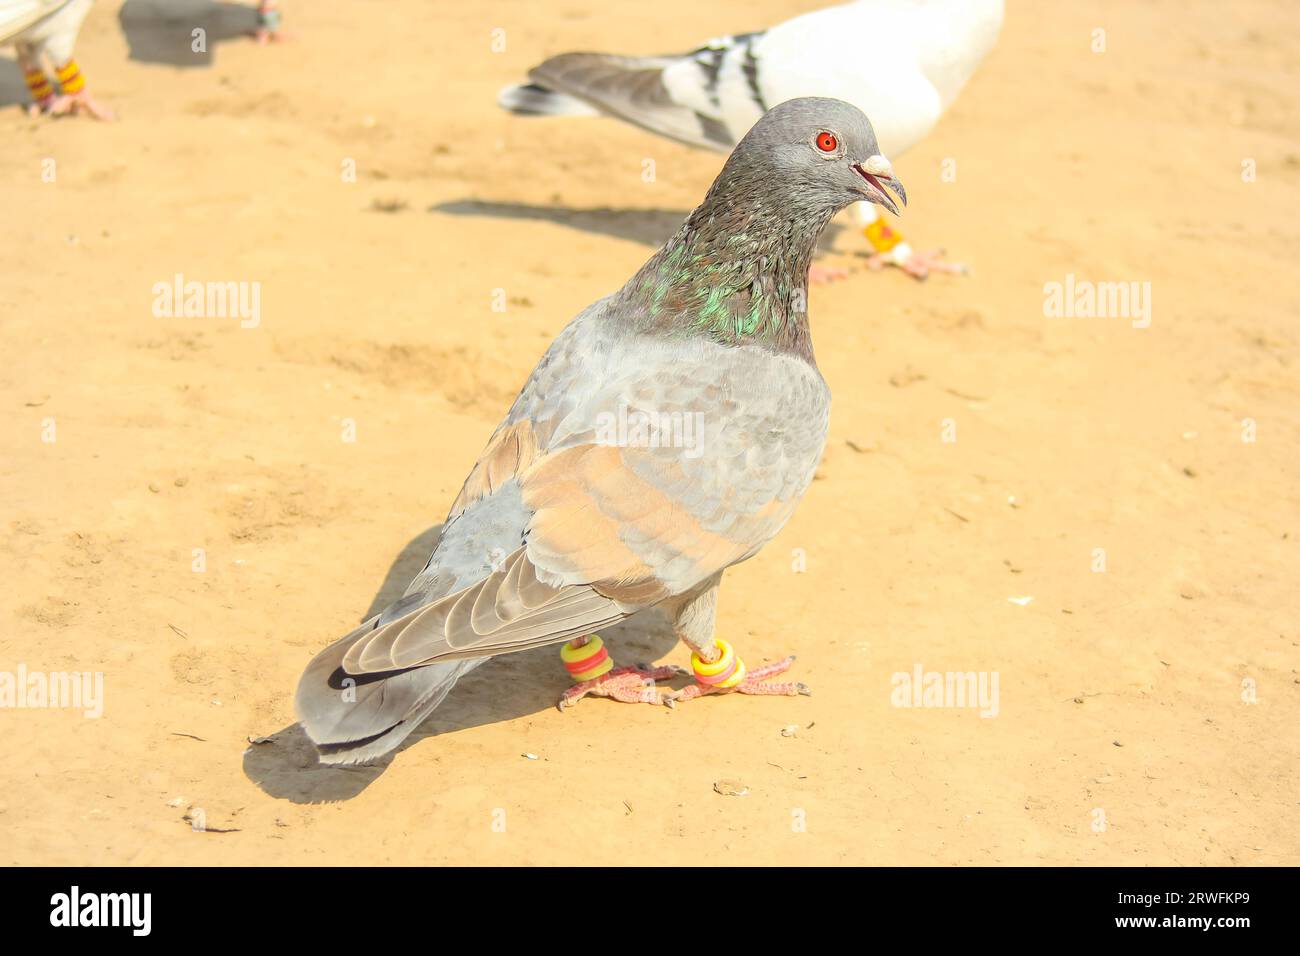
(717, 678)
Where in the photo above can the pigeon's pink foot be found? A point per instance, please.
(268, 24)
(754, 683)
(70, 104)
(264, 36)
(824, 275)
(629, 685)
(918, 265)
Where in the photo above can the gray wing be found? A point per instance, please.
(627, 472)
(680, 96)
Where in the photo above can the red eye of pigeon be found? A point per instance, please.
(827, 142)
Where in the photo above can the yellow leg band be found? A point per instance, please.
(588, 661)
(39, 84)
(736, 677)
(727, 671)
(70, 79)
(881, 236)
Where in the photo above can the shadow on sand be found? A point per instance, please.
(506, 687)
(162, 31)
(650, 227)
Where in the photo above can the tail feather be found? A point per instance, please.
(354, 719)
(628, 88)
(530, 99)
(362, 695)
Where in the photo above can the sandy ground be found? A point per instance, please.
(1124, 729)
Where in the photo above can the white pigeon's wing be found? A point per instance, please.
(902, 62)
(951, 39)
(17, 15)
(863, 53)
(723, 81)
(49, 26)
(634, 89)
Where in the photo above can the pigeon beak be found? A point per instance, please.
(879, 176)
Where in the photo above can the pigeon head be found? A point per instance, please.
(816, 152)
(737, 270)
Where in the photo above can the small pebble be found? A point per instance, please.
(730, 788)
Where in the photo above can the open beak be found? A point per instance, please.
(878, 175)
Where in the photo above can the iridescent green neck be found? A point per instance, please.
(736, 272)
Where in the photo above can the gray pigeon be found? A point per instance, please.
(666, 434)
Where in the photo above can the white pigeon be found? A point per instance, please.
(902, 62)
(41, 30)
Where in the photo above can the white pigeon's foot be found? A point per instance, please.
(824, 275)
(918, 265)
(70, 104)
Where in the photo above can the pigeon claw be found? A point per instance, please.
(824, 275)
(628, 685)
(73, 104)
(919, 265)
(754, 684)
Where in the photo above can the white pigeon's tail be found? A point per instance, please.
(529, 99)
(678, 96)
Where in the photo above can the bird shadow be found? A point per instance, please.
(13, 88)
(162, 31)
(284, 764)
(650, 227)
